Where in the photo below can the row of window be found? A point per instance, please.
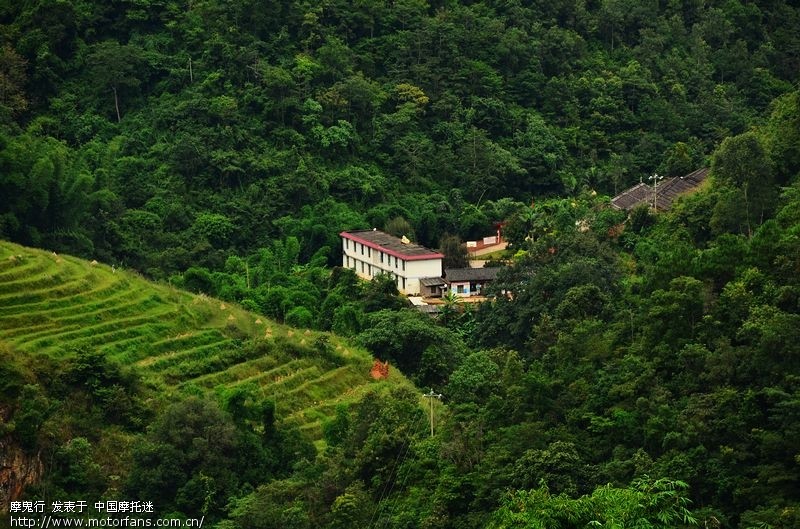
(360, 247)
(389, 261)
(367, 269)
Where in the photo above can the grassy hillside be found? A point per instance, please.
(55, 305)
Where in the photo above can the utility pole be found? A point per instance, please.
(432, 396)
(655, 178)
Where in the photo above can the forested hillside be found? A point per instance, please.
(164, 134)
(633, 370)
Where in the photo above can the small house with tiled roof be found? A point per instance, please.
(467, 282)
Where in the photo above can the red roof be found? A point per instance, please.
(391, 245)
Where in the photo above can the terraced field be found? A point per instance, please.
(56, 305)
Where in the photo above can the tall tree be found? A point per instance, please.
(455, 253)
(13, 77)
(741, 163)
(115, 66)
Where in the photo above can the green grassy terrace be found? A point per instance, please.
(55, 305)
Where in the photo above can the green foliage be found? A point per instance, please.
(299, 317)
(186, 458)
(226, 144)
(347, 320)
(273, 506)
(94, 354)
(558, 468)
(214, 227)
(455, 253)
(475, 380)
(381, 294)
(47, 194)
(741, 164)
(399, 227)
(781, 137)
(574, 265)
(12, 375)
(114, 67)
(272, 119)
(78, 473)
(405, 337)
(353, 508)
(13, 100)
(644, 504)
(34, 409)
(198, 280)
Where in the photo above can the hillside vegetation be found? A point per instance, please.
(58, 307)
(165, 134)
(631, 370)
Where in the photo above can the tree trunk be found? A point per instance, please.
(116, 103)
(747, 212)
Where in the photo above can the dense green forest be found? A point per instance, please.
(164, 134)
(645, 372)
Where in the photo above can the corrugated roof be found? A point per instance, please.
(632, 197)
(668, 190)
(697, 176)
(390, 244)
(432, 281)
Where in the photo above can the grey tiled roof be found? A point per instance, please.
(671, 189)
(668, 190)
(632, 197)
(432, 281)
(471, 274)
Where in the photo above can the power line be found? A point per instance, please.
(430, 396)
(402, 456)
(388, 487)
(403, 484)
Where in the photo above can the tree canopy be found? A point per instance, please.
(629, 370)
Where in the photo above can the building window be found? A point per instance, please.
(362, 249)
(369, 252)
(404, 283)
(460, 289)
(381, 256)
(362, 267)
(404, 265)
(347, 244)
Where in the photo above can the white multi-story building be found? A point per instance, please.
(371, 252)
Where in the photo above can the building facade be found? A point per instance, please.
(372, 252)
(466, 282)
